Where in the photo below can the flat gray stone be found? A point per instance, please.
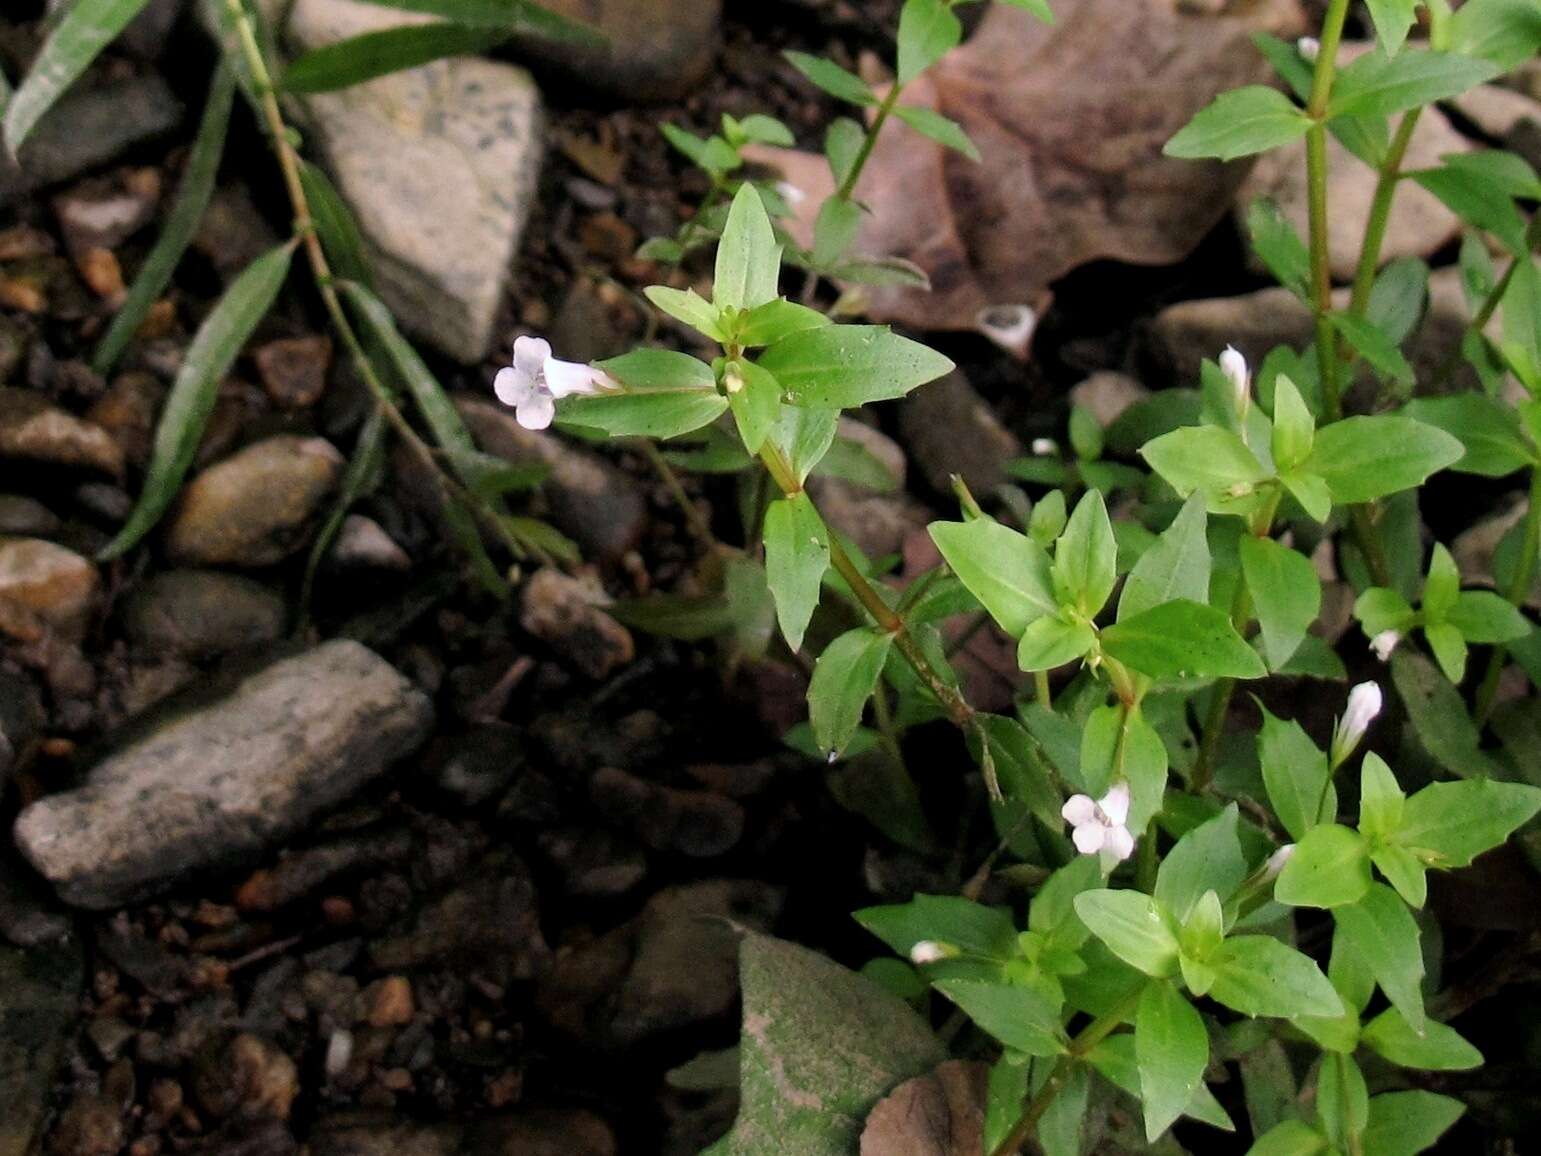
(40, 992)
(221, 784)
(439, 164)
(94, 123)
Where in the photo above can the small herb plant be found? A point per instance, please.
(1177, 864)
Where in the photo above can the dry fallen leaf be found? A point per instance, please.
(1071, 120)
(941, 1113)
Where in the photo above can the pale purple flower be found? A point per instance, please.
(1384, 643)
(1364, 703)
(1098, 825)
(536, 380)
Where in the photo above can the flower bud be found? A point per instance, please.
(1309, 47)
(1045, 447)
(1234, 366)
(1276, 861)
(1364, 703)
(931, 951)
(1384, 643)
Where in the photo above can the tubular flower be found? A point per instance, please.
(1234, 366)
(930, 951)
(534, 382)
(1384, 643)
(1364, 703)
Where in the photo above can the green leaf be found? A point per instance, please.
(1381, 931)
(846, 366)
(1380, 800)
(1393, 19)
(181, 224)
(1279, 247)
(1482, 616)
(1134, 927)
(1171, 1046)
(1050, 641)
(1450, 824)
(1208, 459)
(820, 1047)
(1182, 639)
(1398, 298)
(778, 319)
(1019, 1017)
(1330, 868)
(1024, 773)
(688, 306)
(1296, 775)
(1114, 1059)
(796, 557)
(1239, 123)
(971, 927)
(843, 680)
(87, 27)
(1294, 427)
(373, 54)
(1008, 572)
(928, 31)
(833, 79)
(843, 142)
(1405, 1123)
(520, 15)
(336, 226)
(1257, 975)
(363, 473)
(214, 349)
(748, 257)
(755, 398)
(1286, 594)
(1206, 858)
(1380, 85)
(1475, 197)
(1086, 557)
(1375, 347)
(668, 394)
(1505, 32)
(1435, 1049)
(1177, 566)
(930, 123)
(1438, 714)
(1289, 1138)
(1364, 458)
(1489, 432)
(834, 230)
(1342, 1099)
(712, 154)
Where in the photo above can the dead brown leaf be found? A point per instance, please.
(1071, 120)
(941, 1113)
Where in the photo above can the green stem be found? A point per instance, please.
(1041, 685)
(1477, 324)
(1390, 175)
(869, 142)
(699, 528)
(1519, 590)
(1316, 185)
(1090, 1036)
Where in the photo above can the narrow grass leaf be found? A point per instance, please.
(361, 58)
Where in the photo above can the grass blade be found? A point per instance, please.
(361, 58)
(362, 475)
(336, 226)
(213, 351)
(515, 15)
(86, 29)
(182, 223)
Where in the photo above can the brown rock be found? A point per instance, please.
(246, 1076)
(127, 411)
(950, 430)
(34, 430)
(563, 612)
(45, 585)
(388, 1002)
(294, 369)
(255, 508)
(653, 49)
(103, 212)
(695, 823)
(941, 1113)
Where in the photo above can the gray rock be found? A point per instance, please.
(33, 430)
(539, 1132)
(654, 49)
(223, 783)
(363, 544)
(590, 500)
(44, 587)
(565, 613)
(699, 824)
(91, 125)
(26, 516)
(1181, 336)
(1420, 224)
(28, 917)
(40, 991)
(21, 718)
(103, 212)
(1511, 118)
(1106, 394)
(201, 613)
(950, 430)
(255, 507)
(594, 863)
(439, 164)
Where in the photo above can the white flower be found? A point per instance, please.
(930, 951)
(1384, 643)
(534, 382)
(1009, 326)
(1364, 703)
(1234, 366)
(1098, 825)
(1277, 860)
(790, 193)
(1045, 447)
(1309, 47)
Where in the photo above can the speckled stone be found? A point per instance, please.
(440, 165)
